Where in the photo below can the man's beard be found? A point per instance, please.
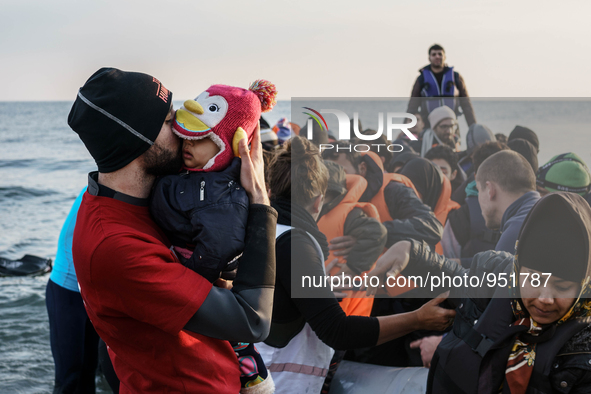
(449, 141)
(158, 161)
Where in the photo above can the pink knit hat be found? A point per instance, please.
(218, 112)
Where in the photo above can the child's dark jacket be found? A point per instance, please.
(205, 212)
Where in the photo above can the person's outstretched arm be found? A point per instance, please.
(326, 317)
(412, 218)
(417, 259)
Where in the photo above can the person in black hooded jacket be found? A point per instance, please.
(427, 179)
(525, 149)
(369, 233)
(527, 336)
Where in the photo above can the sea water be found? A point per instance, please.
(44, 165)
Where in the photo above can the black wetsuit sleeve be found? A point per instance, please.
(323, 312)
(412, 218)
(465, 102)
(244, 313)
(371, 237)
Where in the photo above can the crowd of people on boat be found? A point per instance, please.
(180, 265)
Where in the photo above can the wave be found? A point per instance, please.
(19, 193)
(17, 163)
(65, 165)
(45, 165)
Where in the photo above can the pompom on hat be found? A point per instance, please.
(225, 114)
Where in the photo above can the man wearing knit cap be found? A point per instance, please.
(526, 134)
(566, 172)
(165, 326)
(443, 131)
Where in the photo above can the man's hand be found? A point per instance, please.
(343, 270)
(348, 272)
(433, 317)
(335, 263)
(224, 284)
(342, 245)
(391, 263)
(427, 345)
(252, 172)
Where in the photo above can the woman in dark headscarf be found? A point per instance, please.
(427, 179)
(531, 334)
(527, 150)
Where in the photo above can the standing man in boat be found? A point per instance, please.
(439, 80)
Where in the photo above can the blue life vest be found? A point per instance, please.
(431, 88)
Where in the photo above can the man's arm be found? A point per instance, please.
(465, 100)
(416, 258)
(244, 313)
(370, 236)
(415, 97)
(412, 218)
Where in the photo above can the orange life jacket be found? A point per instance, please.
(378, 200)
(332, 224)
(444, 205)
(380, 203)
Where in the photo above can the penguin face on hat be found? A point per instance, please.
(217, 113)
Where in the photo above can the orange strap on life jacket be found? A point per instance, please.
(380, 201)
(444, 205)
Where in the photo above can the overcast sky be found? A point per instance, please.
(307, 48)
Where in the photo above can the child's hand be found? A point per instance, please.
(252, 172)
(224, 284)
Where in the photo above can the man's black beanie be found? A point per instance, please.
(526, 134)
(118, 115)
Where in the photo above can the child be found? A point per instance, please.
(204, 210)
